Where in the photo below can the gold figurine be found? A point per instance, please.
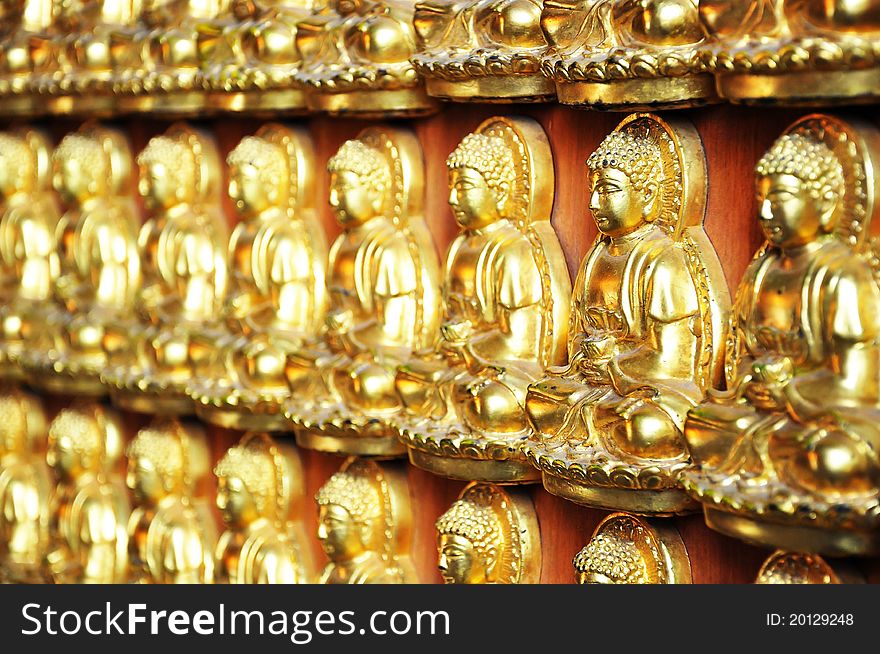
(29, 262)
(258, 483)
(489, 536)
(171, 532)
(355, 59)
(25, 488)
(183, 260)
(795, 568)
(625, 549)
(21, 21)
(625, 54)
(364, 524)
(99, 274)
(506, 294)
(383, 279)
(482, 50)
(786, 456)
(648, 325)
(277, 290)
(794, 52)
(90, 505)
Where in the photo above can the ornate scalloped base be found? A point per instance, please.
(291, 101)
(345, 443)
(67, 382)
(510, 471)
(403, 103)
(640, 94)
(183, 103)
(158, 403)
(802, 89)
(495, 89)
(243, 416)
(795, 537)
(661, 502)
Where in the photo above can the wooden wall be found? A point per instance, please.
(734, 139)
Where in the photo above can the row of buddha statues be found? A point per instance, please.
(399, 57)
(641, 387)
(79, 505)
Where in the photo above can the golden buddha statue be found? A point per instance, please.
(355, 59)
(627, 54)
(183, 264)
(90, 507)
(28, 260)
(383, 279)
(171, 532)
(99, 273)
(258, 483)
(21, 21)
(648, 319)
(482, 50)
(277, 291)
(795, 52)
(489, 536)
(250, 60)
(364, 524)
(25, 488)
(625, 549)
(786, 456)
(796, 568)
(506, 292)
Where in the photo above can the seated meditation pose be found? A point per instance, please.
(89, 508)
(626, 549)
(21, 21)
(489, 536)
(382, 280)
(28, 259)
(258, 484)
(25, 488)
(648, 319)
(364, 524)
(99, 274)
(171, 532)
(481, 50)
(183, 264)
(627, 54)
(506, 293)
(355, 59)
(277, 291)
(799, 417)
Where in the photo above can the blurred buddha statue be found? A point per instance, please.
(25, 488)
(482, 50)
(28, 260)
(183, 263)
(258, 483)
(21, 21)
(799, 419)
(627, 54)
(506, 290)
(156, 61)
(171, 532)
(364, 524)
(250, 60)
(626, 549)
(648, 319)
(355, 59)
(99, 264)
(489, 536)
(794, 52)
(383, 279)
(89, 507)
(277, 291)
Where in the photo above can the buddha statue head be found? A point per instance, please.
(482, 175)
(625, 549)
(23, 428)
(798, 183)
(166, 459)
(168, 173)
(625, 174)
(85, 438)
(350, 516)
(81, 168)
(360, 180)
(258, 176)
(17, 167)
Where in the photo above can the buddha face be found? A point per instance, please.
(341, 538)
(459, 562)
(158, 187)
(144, 480)
(73, 182)
(618, 207)
(12, 178)
(789, 215)
(235, 502)
(247, 191)
(64, 459)
(473, 203)
(352, 201)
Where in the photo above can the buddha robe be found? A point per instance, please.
(261, 554)
(24, 497)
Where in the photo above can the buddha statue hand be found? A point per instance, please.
(769, 377)
(597, 351)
